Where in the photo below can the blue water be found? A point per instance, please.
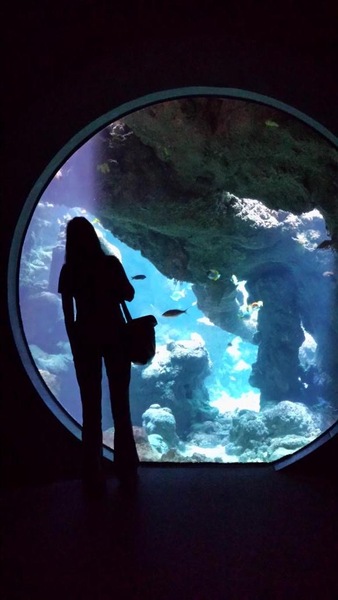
(217, 430)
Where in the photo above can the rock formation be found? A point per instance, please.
(211, 183)
(174, 379)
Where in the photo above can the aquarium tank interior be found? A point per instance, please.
(221, 212)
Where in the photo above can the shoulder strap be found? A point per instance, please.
(126, 311)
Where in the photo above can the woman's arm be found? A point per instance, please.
(125, 290)
(129, 291)
(68, 311)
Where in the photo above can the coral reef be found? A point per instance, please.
(175, 379)
(161, 421)
(272, 433)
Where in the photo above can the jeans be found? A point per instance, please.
(88, 365)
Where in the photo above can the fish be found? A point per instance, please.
(247, 309)
(96, 221)
(270, 123)
(103, 168)
(174, 312)
(139, 277)
(329, 275)
(325, 244)
(256, 304)
(213, 274)
(229, 344)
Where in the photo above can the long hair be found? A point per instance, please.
(82, 242)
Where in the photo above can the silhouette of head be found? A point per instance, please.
(82, 242)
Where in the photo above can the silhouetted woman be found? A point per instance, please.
(96, 330)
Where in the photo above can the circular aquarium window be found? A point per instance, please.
(220, 205)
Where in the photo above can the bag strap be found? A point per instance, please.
(126, 312)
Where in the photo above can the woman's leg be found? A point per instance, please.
(118, 369)
(88, 366)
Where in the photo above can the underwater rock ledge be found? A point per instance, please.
(224, 184)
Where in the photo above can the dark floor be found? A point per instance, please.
(201, 533)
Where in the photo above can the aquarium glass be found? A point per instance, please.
(219, 210)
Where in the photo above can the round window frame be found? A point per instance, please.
(41, 184)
